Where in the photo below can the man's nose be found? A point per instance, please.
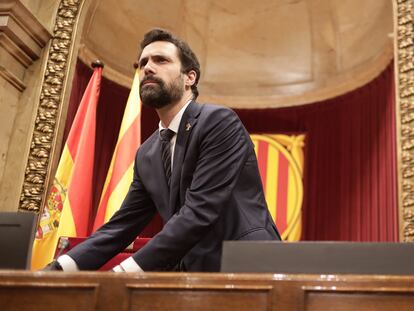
(149, 68)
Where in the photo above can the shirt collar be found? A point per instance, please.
(175, 122)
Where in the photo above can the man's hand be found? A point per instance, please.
(53, 266)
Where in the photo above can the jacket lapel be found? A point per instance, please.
(188, 121)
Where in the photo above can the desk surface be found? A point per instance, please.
(20, 290)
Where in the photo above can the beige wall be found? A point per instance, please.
(25, 33)
(253, 54)
(43, 10)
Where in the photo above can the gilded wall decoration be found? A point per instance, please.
(43, 139)
(404, 54)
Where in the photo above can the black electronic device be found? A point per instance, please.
(17, 232)
(318, 257)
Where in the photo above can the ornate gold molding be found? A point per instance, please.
(44, 134)
(404, 70)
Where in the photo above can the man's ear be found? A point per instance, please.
(191, 77)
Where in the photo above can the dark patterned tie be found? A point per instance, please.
(165, 136)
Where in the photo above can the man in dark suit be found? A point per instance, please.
(199, 171)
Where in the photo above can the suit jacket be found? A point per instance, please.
(215, 195)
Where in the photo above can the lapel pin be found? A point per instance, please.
(187, 127)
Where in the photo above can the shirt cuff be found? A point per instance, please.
(67, 263)
(130, 265)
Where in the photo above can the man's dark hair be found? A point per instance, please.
(187, 57)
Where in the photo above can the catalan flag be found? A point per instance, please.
(280, 158)
(69, 206)
(121, 169)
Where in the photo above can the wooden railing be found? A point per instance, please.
(202, 291)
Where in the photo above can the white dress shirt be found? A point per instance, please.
(174, 125)
(129, 264)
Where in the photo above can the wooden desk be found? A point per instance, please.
(196, 291)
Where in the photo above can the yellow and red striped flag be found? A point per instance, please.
(69, 205)
(280, 159)
(121, 169)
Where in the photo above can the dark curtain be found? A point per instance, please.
(350, 161)
(350, 155)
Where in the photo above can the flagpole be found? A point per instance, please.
(97, 64)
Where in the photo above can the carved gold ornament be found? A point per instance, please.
(404, 56)
(38, 165)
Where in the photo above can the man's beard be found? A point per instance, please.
(160, 94)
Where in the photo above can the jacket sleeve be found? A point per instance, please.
(223, 149)
(113, 237)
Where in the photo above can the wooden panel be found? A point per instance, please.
(47, 297)
(22, 290)
(199, 299)
(325, 301)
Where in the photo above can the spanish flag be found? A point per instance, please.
(69, 206)
(121, 169)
